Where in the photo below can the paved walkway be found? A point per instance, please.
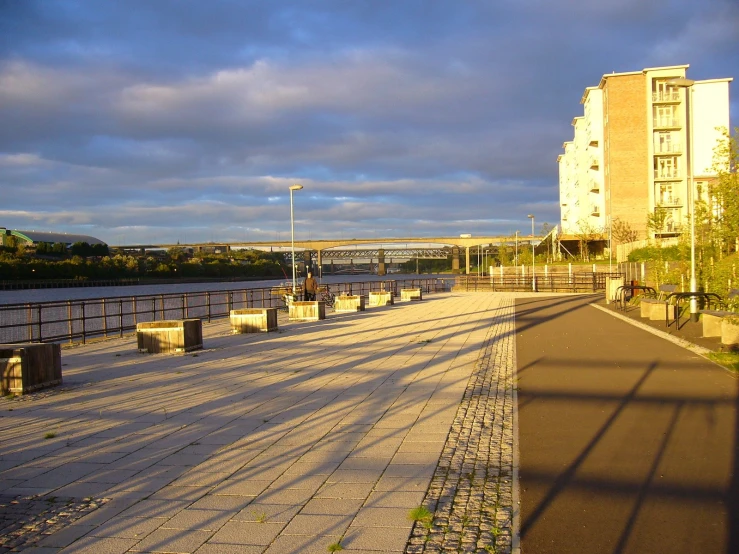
(628, 442)
(324, 433)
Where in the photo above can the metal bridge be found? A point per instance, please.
(332, 248)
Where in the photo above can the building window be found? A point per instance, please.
(662, 92)
(665, 116)
(666, 195)
(666, 168)
(666, 142)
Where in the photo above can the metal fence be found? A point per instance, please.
(80, 320)
(553, 282)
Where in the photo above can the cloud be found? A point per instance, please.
(183, 118)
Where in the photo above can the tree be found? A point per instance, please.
(656, 220)
(622, 231)
(724, 192)
(586, 233)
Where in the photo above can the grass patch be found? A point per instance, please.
(49, 435)
(335, 547)
(420, 514)
(730, 360)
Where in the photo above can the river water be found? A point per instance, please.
(63, 294)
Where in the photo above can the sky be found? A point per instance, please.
(164, 121)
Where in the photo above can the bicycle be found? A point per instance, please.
(328, 297)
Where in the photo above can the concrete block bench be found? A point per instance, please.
(253, 320)
(307, 311)
(654, 308)
(380, 299)
(730, 331)
(712, 319)
(411, 294)
(29, 367)
(174, 335)
(349, 303)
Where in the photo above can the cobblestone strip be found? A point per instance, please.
(471, 493)
(25, 520)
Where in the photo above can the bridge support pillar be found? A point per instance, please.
(467, 259)
(308, 260)
(381, 262)
(320, 264)
(455, 259)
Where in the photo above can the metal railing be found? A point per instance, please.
(553, 282)
(80, 320)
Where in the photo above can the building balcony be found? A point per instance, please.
(668, 149)
(669, 202)
(666, 96)
(670, 228)
(667, 123)
(667, 175)
(594, 163)
(595, 210)
(594, 186)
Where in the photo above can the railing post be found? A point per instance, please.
(84, 325)
(120, 316)
(40, 338)
(184, 309)
(105, 320)
(69, 317)
(207, 303)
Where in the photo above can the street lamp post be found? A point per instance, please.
(682, 82)
(516, 263)
(293, 188)
(533, 255)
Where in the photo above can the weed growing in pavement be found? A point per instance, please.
(490, 548)
(421, 514)
(335, 547)
(260, 516)
(50, 435)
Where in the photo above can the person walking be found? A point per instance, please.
(310, 287)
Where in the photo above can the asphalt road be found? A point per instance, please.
(628, 442)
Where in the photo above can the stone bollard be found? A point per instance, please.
(380, 299)
(410, 294)
(346, 303)
(253, 320)
(176, 335)
(29, 367)
(307, 311)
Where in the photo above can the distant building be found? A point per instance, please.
(629, 154)
(33, 238)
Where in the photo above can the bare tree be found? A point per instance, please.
(622, 231)
(586, 233)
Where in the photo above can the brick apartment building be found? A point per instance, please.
(631, 155)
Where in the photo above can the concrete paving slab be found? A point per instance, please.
(301, 434)
(172, 540)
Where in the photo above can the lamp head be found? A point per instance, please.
(530, 216)
(681, 82)
(296, 187)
